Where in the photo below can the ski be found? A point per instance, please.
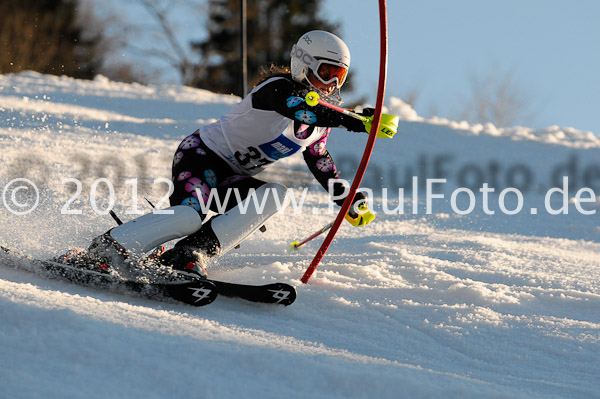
(277, 293)
(193, 292)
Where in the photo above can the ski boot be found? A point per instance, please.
(82, 260)
(187, 257)
(104, 255)
(186, 264)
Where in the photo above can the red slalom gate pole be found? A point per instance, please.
(368, 148)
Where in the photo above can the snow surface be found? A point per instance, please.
(437, 305)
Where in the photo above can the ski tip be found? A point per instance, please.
(282, 294)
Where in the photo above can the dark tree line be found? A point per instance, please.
(273, 26)
(49, 36)
(45, 36)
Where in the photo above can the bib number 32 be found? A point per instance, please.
(251, 159)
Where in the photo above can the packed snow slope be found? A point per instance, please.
(438, 304)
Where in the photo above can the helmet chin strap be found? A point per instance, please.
(334, 97)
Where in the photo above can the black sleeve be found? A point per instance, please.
(322, 167)
(315, 162)
(324, 177)
(287, 98)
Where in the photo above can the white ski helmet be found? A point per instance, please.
(322, 54)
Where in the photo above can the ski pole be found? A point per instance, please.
(295, 245)
(312, 99)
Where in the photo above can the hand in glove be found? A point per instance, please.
(359, 213)
(388, 125)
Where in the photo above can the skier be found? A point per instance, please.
(272, 122)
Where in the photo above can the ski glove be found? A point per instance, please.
(388, 125)
(359, 214)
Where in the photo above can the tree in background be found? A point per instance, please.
(166, 42)
(496, 98)
(45, 36)
(272, 27)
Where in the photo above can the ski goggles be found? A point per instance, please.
(327, 72)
